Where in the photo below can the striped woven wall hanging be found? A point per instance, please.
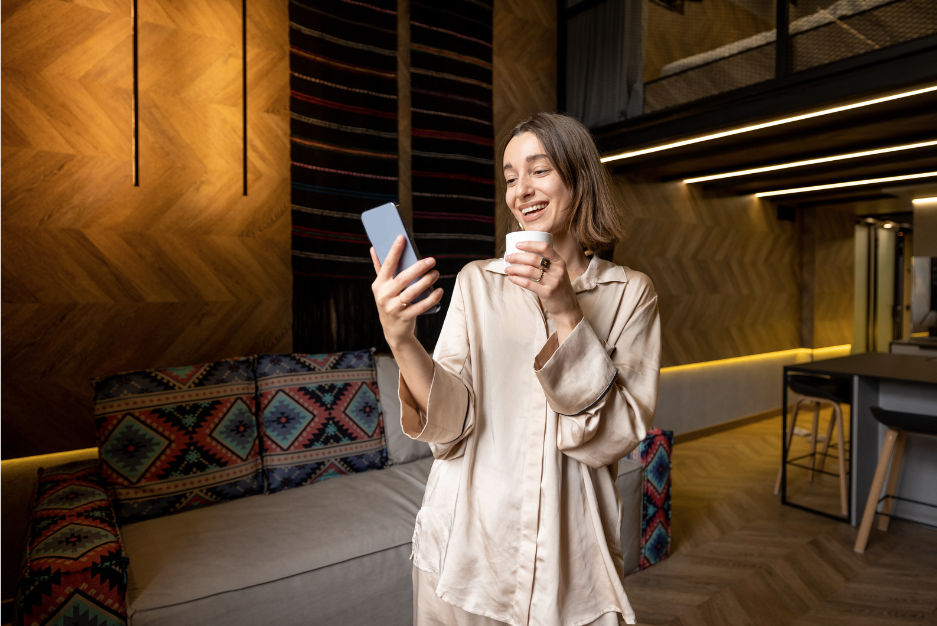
(343, 131)
(452, 140)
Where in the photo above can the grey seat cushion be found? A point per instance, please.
(371, 589)
(193, 558)
(336, 552)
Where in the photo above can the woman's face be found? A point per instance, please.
(536, 194)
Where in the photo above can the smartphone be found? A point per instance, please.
(383, 224)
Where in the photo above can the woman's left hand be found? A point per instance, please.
(553, 286)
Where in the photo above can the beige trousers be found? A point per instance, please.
(431, 610)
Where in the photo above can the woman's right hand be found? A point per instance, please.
(393, 297)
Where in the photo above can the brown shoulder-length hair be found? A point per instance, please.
(593, 219)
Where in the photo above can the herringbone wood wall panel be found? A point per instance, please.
(725, 269)
(100, 276)
(833, 277)
(524, 73)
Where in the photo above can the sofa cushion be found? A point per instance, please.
(320, 417)
(178, 438)
(75, 564)
(373, 589)
(182, 562)
(655, 453)
(400, 447)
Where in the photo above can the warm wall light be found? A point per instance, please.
(888, 225)
(48, 460)
(852, 183)
(925, 200)
(786, 120)
(798, 354)
(839, 157)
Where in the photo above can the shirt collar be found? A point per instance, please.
(599, 271)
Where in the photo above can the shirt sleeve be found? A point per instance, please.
(605, 396)
(449, 416)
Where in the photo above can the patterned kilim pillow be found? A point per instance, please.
(654, 453)
(321, 417)
(178, 438)
(75, 570)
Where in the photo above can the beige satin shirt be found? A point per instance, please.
(521, 517)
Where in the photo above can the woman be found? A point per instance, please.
(545, 375)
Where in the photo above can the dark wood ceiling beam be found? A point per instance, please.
(841, 171)
(891, 126)
(767, 156)
(808, 195)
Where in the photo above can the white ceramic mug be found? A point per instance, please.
(524, 235)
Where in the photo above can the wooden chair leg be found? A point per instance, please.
(843, 483)
(787, 446)
(884, 460)
(813, 440)
(829, 438)
(893, 472)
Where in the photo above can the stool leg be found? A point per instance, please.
(813, 440)
(829, 438)
(878, 482)
(843, 486)
(787, 446)
(893, 471)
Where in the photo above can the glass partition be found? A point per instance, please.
(699, 49)
(824, 31)
(626, 58)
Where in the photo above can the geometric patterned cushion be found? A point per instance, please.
(75, 570)
(654, 453)
(178, 438)
(321, 417)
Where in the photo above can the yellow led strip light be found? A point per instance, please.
(786, 120)
(839, 157)
(852, 183)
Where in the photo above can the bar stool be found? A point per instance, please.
(820, 390)
(889, 461)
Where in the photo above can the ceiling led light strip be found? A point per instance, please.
(840, 157)
(925, 200)
(853, 183)
(786, 120)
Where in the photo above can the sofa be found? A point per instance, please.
(310, 551)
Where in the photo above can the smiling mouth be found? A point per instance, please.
(534, 211)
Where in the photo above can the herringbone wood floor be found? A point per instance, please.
(739, 557)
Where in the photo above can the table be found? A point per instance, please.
(899, 382)
(922, 346)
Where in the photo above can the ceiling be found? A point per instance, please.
(904, 121)
(897, 69)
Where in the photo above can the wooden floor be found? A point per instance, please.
(739, 557)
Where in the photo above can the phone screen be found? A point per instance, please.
(383, 224)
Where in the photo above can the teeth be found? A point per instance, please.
(535, 207)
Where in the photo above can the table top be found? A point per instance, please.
(907, 367)
(923, 342)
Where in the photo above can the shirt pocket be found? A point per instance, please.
(430, 539)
